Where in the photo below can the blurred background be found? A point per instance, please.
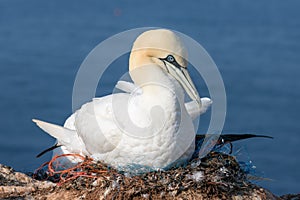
(255, 44)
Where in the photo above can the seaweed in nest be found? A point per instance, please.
(214, 175)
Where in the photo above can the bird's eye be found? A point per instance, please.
(170, 58)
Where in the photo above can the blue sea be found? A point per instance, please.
(255, 44)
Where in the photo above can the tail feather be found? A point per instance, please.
(63, 135)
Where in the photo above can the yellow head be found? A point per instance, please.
(165, 49)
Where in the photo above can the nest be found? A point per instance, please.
(217, 175)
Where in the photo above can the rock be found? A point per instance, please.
(217, 176)
(16, 184)
(290, 197)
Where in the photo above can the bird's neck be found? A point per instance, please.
(157, 85)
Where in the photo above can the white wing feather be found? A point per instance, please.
(192, 107)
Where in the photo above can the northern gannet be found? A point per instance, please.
(152, 127)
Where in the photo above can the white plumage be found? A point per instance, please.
(149, 125)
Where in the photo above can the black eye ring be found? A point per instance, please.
(170, 58)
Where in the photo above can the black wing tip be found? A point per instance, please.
(233, 137)
(40, 154)
(263, 136)
(47, 150)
